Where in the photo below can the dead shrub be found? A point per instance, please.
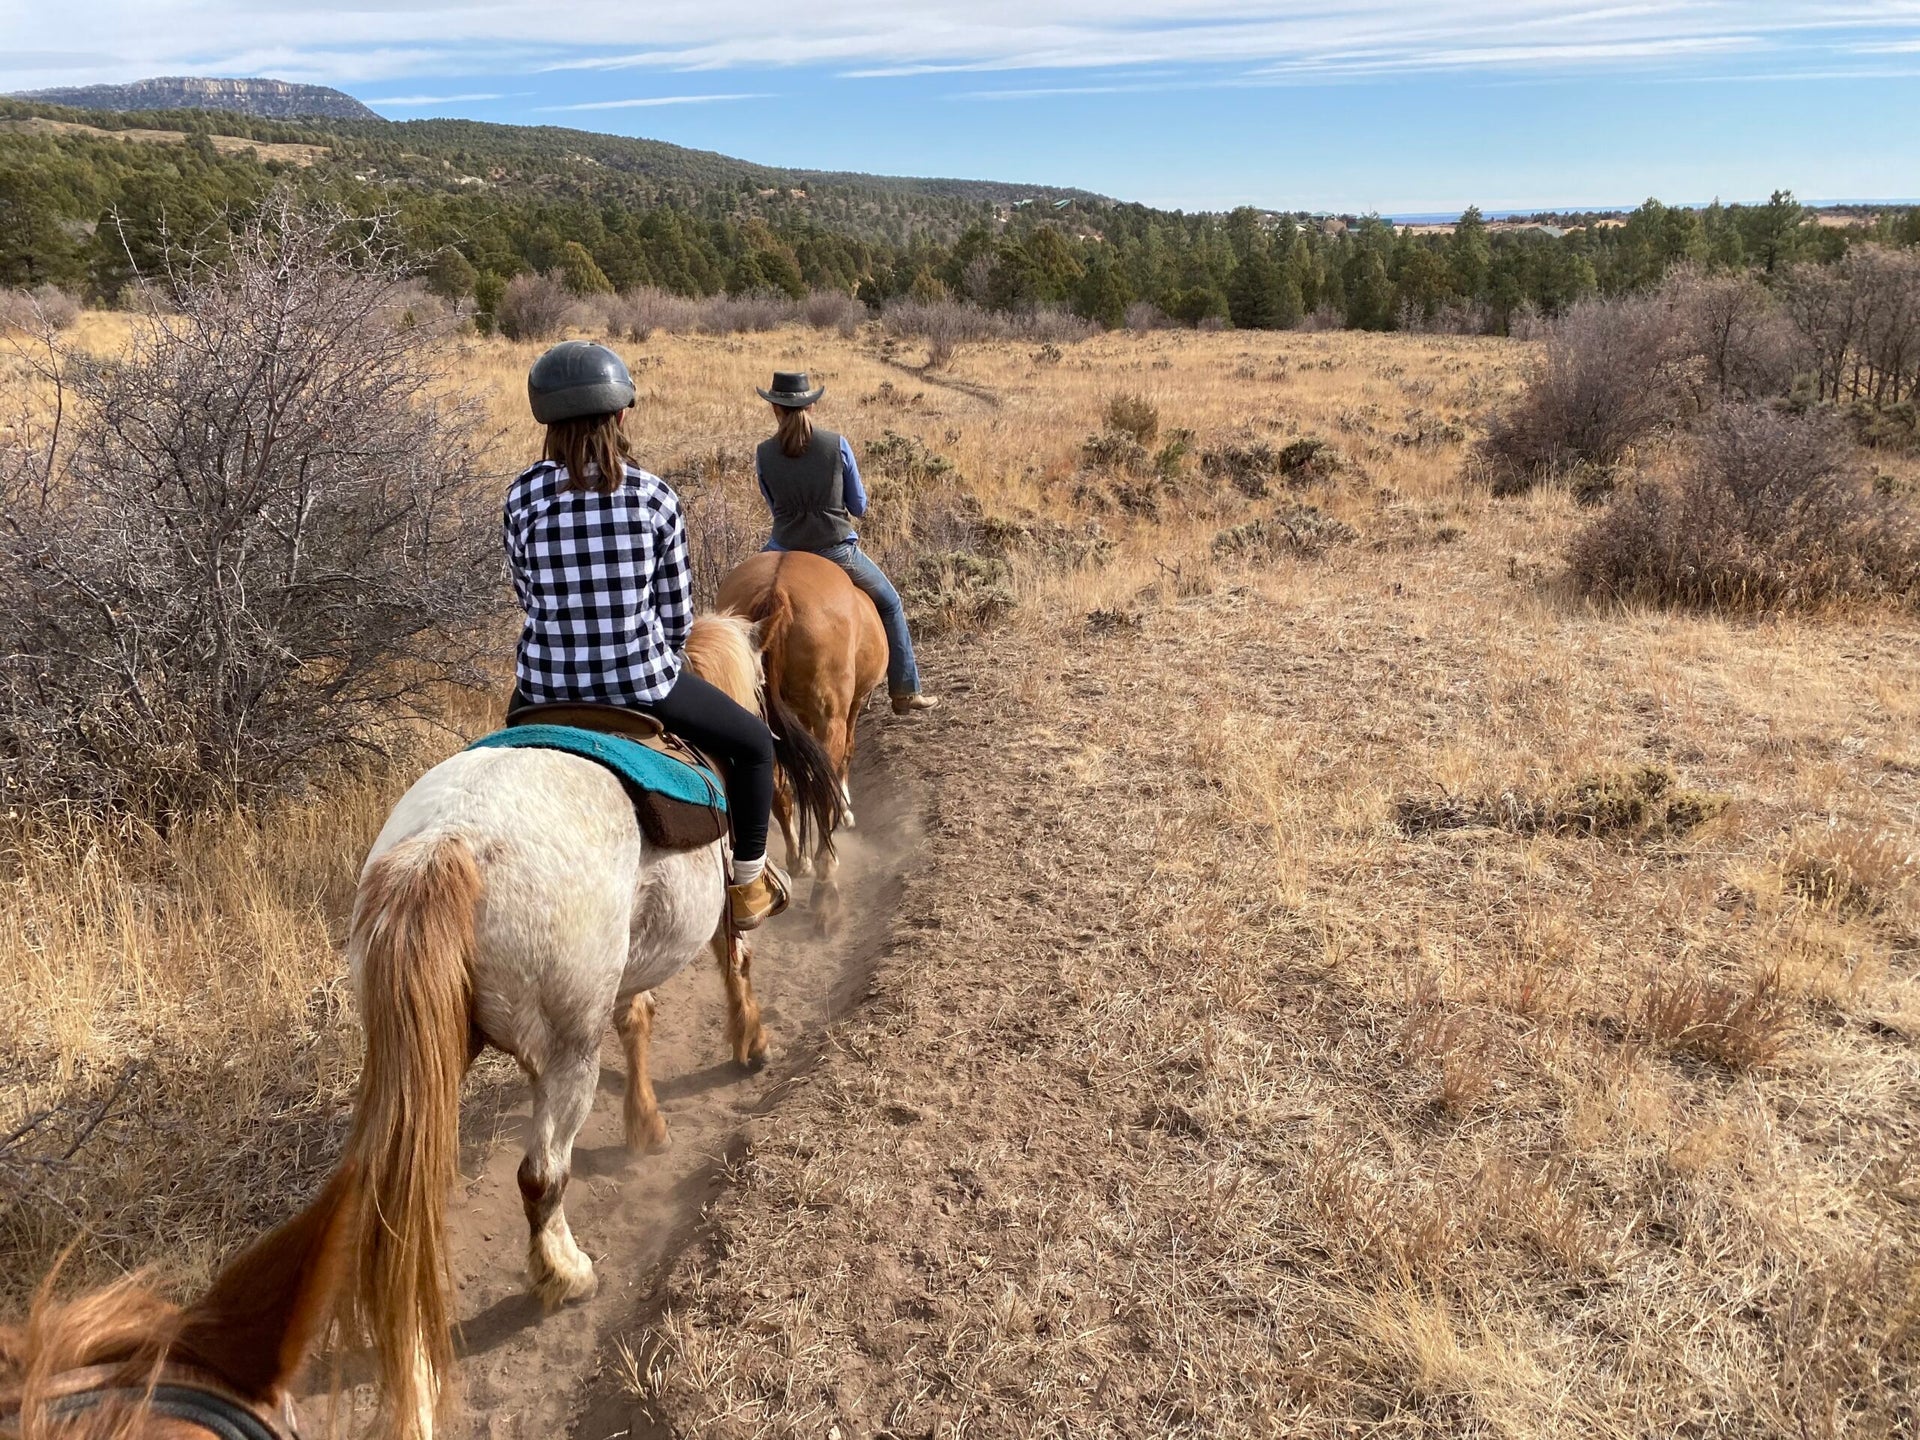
(945, 325)
(534, 307)
(1309, 460)
(958, 591)
(1115, 452)
(1738, 1028)
(907, 460)
(1302, 530)
(1640, 802)
(39, 311)
(1144, 315)
(1614, 375)
(1766, 511)
(834, 310)
(258, 530)
(1134, 416)
(1247, 467)
(1747, 345)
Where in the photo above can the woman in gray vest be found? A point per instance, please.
(812, 486)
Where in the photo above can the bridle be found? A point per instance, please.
(182, 1392)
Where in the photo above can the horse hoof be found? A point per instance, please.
(756, 1057)
(556, 1288)
(847, 821)
(649, 1138)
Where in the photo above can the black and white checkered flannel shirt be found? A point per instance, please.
(605, 584)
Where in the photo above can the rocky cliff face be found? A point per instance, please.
(275, 99)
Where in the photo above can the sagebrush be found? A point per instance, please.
(260, 531)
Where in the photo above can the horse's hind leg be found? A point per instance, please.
(646, 1127)
(557, 1271)
(798, 863)
(745, 1032)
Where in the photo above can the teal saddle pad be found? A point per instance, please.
(679, 804)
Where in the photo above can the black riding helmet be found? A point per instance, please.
(576, 378)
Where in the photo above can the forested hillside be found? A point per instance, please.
(87, 204)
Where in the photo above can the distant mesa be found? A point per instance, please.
(270, 99)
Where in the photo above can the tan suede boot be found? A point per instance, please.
(753, 905)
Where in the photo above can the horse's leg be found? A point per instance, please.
(825, 903)
(745, 1033)
(557, 1271)
(846, 761)
(798, 862)
(646, 1127)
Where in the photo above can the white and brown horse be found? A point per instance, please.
(824, 652)
(511, 899)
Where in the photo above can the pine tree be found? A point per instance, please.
(1100, 296)
(1253, 292)
(1469, 255)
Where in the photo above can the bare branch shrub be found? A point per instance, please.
(230, 548)
(945, 325)
(1765, 511)
(535, 307)
(1612, 377)
(1748, 346)
(33, 312)
(1145, 315)
(834, 310)
(1861, 318)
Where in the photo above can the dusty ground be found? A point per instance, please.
(1346, 982)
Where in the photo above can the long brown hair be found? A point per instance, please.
(796, 430)
(593, 449)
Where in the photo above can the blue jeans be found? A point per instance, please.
(903, 676)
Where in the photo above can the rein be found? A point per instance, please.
(183, 1393)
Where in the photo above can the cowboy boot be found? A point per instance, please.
(905, 704)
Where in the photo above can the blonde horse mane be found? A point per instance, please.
(125, 1325)
(723, 650)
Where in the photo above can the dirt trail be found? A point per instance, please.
(525, 1374)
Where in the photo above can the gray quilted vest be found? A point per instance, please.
(807, 494)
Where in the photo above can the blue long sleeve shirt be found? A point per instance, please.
(853, 494)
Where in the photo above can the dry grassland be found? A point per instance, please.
(1350, 985)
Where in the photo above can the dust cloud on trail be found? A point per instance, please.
(525, 1374)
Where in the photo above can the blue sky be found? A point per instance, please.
(1389, 105)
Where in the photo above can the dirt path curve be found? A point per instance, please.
(523, 1374)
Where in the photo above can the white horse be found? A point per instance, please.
(512, 900)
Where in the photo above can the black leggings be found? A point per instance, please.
(704, 716)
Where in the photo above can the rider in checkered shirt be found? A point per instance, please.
(598, 551)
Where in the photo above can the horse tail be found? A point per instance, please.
(413, 926)
(809, 769)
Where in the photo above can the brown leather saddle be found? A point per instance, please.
(667, 823)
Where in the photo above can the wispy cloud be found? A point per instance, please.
(643, 101)
(409, 102)
(358, 42)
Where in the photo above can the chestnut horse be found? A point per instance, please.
(824, 651)
(510, 899)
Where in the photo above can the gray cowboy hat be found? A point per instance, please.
(576, 378)
(791, 391)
